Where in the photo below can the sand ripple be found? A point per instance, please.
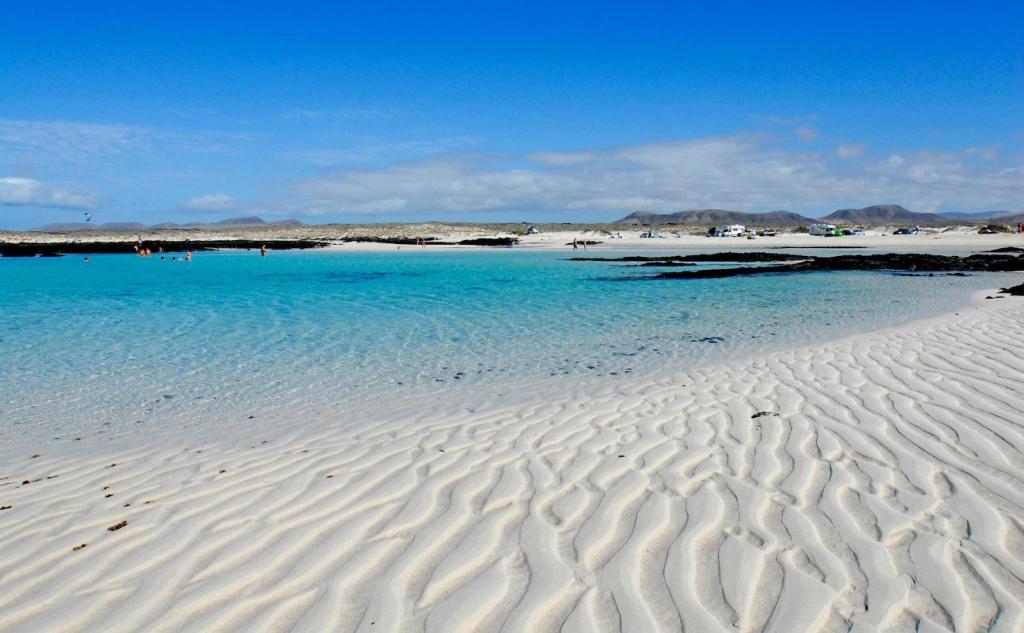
(881, 490)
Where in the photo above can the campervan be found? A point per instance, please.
(730, 230)
(823, 229)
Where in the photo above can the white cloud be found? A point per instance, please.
(741, 172)
(850, 150)
(336, 115)
(27, 192)
(210, 203)
(77, 141)
(558, 159)
(806, 133)
(377, 151)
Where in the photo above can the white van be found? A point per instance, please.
(823, 229)
(730, 230)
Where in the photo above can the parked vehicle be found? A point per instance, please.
(729, 230)
(822, 230)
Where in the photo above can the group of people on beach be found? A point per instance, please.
(142, 251)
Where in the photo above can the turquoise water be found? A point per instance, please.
(128, 343)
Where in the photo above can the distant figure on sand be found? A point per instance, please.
(263, 250)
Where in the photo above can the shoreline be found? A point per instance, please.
(887, 465)
(397, 405)
(353, 238)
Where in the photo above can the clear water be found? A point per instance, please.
(125, 343)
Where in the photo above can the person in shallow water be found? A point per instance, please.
(263, 250)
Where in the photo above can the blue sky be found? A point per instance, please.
(391, 111)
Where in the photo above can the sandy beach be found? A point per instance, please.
(870, 484)
(609, 236)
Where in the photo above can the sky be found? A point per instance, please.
(498, 111)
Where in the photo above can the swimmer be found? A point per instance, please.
(263, 250)
(85, 259)
(188, 256)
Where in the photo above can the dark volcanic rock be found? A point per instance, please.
(915, 262)
(1017, 290)
(492, 241)
(1007, 249)
(53, 249)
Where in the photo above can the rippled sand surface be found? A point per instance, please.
(870, 484)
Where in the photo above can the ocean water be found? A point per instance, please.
(125, 344)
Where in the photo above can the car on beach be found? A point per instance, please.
(729, 230)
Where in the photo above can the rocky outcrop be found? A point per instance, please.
(1017, 290)
(54, 249)
(903, 262)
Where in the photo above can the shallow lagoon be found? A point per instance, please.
(128, 343)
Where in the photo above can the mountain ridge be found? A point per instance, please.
(714, 216)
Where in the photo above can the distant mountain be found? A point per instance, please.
(884, 214)
(240, 221)
(122, 226)
(714, 217)
(66, 227)
(1016, 218)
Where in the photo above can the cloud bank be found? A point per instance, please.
(24, 192)
(751, 172)
(210, 203)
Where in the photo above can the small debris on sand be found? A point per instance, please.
(117, 526)
(78, 547)
(6, 507)
(761, 414)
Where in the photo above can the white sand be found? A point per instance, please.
(964, 238)
(885, 492)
